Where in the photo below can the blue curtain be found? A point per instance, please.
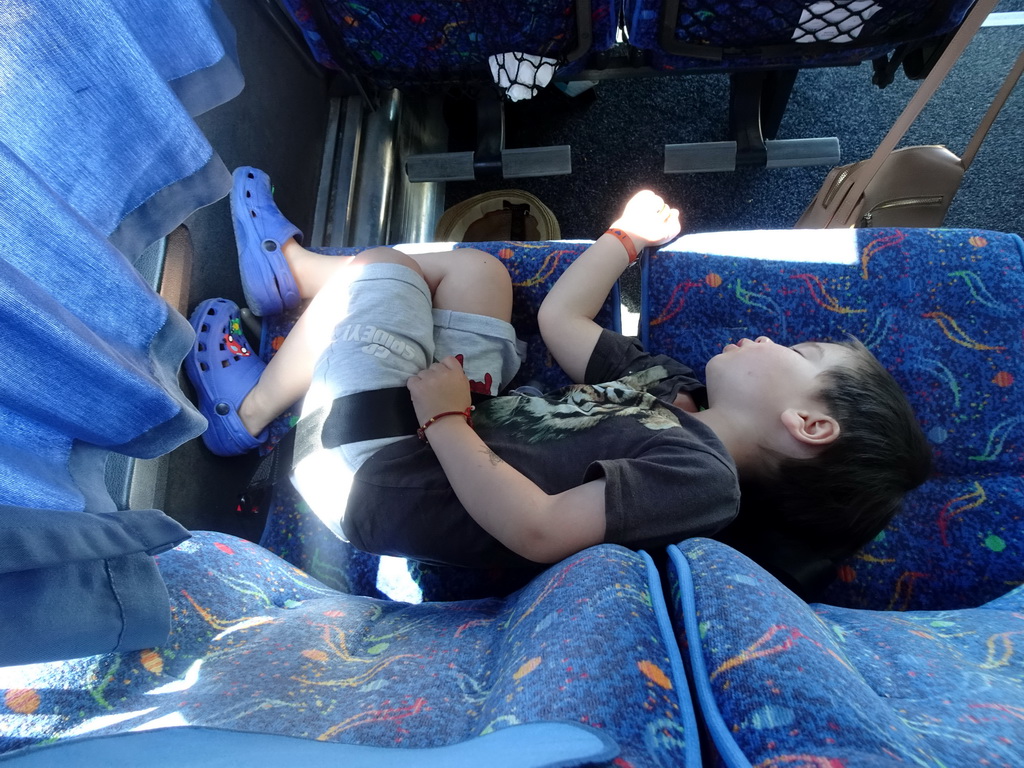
(99, 157)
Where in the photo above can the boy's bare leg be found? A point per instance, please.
(312, 271)
(467, 280)
(464, 280)
(566, 316)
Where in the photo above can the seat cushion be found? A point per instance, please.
(257, 645)
(781, 682)
(941, 309)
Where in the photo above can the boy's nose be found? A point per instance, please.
(761, 339)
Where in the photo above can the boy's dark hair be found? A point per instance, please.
(843, 497)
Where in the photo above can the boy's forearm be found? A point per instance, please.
(566, 316)
(584, 286)
(511, 507)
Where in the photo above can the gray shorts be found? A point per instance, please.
(389, 332)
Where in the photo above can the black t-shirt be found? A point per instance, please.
(667, 475)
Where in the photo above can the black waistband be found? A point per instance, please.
(369, 415)
(361, 416)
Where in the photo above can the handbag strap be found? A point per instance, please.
(971, 24)
(993, 111)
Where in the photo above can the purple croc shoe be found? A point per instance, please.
(223, 369)
(260, 231)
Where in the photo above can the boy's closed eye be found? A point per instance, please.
(808, 349)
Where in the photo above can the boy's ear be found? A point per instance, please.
(813, 428)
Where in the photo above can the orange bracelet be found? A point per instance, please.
(421, 432)
(626, 241)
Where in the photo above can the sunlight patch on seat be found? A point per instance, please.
(105, 721)
(394, 580)
(33, 727)
(170, 720)
(255, 621)
(629, 320)
(821, 246)
(410, 249)
(190, 678)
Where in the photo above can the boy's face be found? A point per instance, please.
(763, 377)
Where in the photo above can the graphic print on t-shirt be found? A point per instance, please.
(484, 387)
(578, 408)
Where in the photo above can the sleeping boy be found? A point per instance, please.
(637, 452)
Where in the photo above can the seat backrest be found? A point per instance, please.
(941, 309)
(447, 42)
(257, 647)
(779, 682)
(733, 34)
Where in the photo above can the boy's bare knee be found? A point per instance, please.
(489, 269)
(471, 253)
(469, 280)
(384, 255)
(475, 255)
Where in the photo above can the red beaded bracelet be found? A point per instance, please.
(626, 241)
(421, 432)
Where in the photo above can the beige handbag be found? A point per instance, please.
(913, 186)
